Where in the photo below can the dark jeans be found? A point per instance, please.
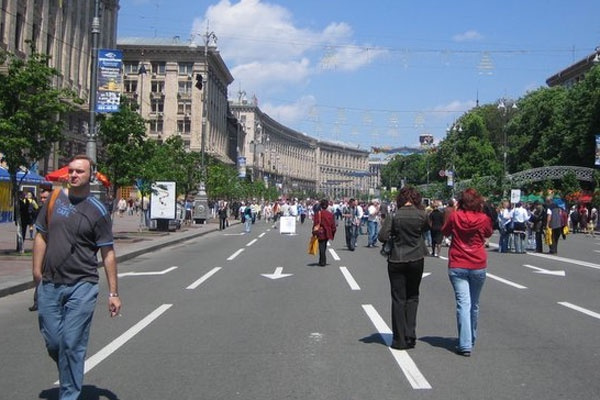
(405, 279)
(322, 252)
(556, 233)
(222, 223)
(539, 242)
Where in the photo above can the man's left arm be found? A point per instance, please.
(109, 259)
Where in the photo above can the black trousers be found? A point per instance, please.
(322, 252)
(405, 279)
(556, 233)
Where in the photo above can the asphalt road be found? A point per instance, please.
(250, 316)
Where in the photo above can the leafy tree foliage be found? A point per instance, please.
(30, 107)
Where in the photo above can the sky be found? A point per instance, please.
(377, 73)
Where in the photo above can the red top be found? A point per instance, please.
(468, 229)
(325, 218)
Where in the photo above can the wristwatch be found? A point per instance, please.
(115, 294)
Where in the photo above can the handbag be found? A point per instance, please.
(316, 231)
(313, 245)
(388, 245)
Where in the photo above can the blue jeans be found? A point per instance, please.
(248, 225)
(351, 235)
(467, 284)
(372, 232)
(65, 316)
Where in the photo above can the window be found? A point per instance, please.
(130, 68)
(186, 68)
(130, 86)
(157, 87)
(156, 126)
(158, 68)
(157, 106)
(184, 107)
(184, 126)
(185, 87)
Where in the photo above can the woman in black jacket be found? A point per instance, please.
(405, 263)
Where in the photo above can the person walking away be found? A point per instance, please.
(325, 222)
(504, 224)
(467, 264)
(352, 215)
(538, 219)
(520, 216)
(405, 264)
(554, 222)
(222, 215)
(593, 222)
(247, 214)
(43, 198)
(436, 221)
(373, 223)
(65, 267)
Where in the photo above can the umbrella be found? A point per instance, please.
(23, 177)
(62, 175)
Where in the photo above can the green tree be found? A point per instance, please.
(123, 136)
(30, 109)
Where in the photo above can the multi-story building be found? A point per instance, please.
(296, 162)
(575, 72)
(61, 29)
(181, 89)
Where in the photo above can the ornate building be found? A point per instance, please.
(62, 30)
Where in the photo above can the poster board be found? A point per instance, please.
(287, 225)
(163, 200)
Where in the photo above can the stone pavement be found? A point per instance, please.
(15, 269)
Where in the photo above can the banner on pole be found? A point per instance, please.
(110, 81)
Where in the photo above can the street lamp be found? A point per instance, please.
(504, 110)
(208, 37)
(141, 74)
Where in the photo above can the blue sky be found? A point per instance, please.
(377, 73)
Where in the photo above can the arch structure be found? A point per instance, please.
(536, 175)
(551, 172)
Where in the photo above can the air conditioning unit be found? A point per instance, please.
(154, 74)
(160, 114)
(189, 76)
(187, 115)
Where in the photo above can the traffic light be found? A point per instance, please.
(199, 81)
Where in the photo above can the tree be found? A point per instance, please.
(30, 109)
(122, 135)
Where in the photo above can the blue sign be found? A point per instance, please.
(110, 80)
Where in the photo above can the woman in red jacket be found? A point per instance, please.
(324, 219)
(469, 227)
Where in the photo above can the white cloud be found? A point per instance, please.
(467, 36)
(266, 51)
(290, 113)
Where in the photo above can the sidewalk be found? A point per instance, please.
(15, 269)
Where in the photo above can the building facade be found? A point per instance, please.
(62, 30)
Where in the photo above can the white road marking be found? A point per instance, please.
(262, 234)
(113, 346)
(334, 255)
(567, 260)
(204, 278)
(165, 271)
(349, 278)
(426, 274)
(580, 309)
(251, 242)
(408, 366)
(543, 271)
(506, 281)
(277, 274)
(234, 255)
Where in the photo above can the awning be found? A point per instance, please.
(28, 177)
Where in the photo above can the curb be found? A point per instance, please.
(125, 256)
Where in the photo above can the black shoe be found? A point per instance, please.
(33, 307)
(398, 346)
(411, 342)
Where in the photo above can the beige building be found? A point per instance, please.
(61, 29)
(164, 76)
(296, 162)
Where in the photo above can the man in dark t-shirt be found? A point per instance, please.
(72, 226)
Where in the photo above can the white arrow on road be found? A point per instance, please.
(166, 271)
(277, 274)
(539, 270)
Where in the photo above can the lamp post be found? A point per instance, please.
(208, 36)
(504, 110)
(141, 74)
(457, 130)
(90, 146)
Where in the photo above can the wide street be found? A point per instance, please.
(250, 316)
